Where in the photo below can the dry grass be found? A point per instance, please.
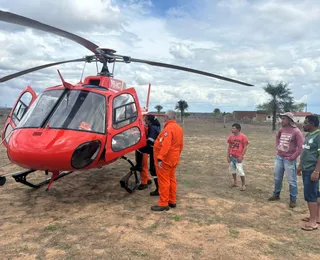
(88, 216)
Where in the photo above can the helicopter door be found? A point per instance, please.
(126, 129)
(18, 111)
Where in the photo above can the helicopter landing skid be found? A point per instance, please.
(124, 182)
(22, 178)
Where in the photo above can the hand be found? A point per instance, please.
(299, 171)
(228, 159)
(314, 176)
(240, 159)
(160, 164)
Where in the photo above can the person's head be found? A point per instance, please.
(151, 120)
(287, 120)
(310, 123)
(148, 119)
(170, 115)
(236, 128)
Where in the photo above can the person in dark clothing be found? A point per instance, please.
(154, 129)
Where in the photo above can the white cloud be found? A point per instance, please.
(181, 51)
(143, 78)
(277, 41)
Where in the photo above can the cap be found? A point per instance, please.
(291, 117)
(150, 117)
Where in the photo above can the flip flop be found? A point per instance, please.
(307, 219)
(309, 228)
(243, 189)
(234, 185)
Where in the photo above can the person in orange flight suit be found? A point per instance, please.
(167, 150)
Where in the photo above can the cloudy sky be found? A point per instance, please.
(252, 41)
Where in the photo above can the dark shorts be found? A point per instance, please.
(311, 188)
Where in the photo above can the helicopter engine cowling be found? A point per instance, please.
(55, 149)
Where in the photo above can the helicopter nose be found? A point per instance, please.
(54, 149)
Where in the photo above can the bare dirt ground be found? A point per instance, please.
(89, 216)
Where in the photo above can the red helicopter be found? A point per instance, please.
(77, 127)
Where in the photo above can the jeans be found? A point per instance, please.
(282, 165)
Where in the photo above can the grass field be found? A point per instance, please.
(89, 216)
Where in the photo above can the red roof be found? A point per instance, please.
(301, 113)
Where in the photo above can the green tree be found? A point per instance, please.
(300, 107)
(182, 106)
(216, 112)
(281, 101)
(159, 108)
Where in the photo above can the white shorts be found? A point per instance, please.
(235, 167)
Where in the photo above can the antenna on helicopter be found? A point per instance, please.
(65, 84)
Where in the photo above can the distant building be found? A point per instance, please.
(265, 117)
(300, 116)
(250, 115)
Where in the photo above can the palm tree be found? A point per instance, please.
(182, 106)
(281, 100)
(159, 108)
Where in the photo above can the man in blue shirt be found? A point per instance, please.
(154, 129)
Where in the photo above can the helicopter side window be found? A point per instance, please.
(7, 132)
(126, 139)
(40, 108)
(124, 111)
(21, 107)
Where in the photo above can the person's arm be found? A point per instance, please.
(278, 137)
(245, 144)
(228, 150)
(315, 174)
(299, 169)
(182, 142)
(166, 145)
(152, 136)
(299, 138)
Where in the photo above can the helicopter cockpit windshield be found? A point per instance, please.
(71, 109)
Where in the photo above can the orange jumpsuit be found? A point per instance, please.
(167, 148)
(144, 174)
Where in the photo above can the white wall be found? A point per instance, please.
(299, 119)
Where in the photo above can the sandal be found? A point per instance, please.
(234, 185)
(307, 219)
(243, 189)
(309, 228)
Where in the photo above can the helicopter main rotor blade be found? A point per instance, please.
(20, 73)
(24, 21)
(128, 59)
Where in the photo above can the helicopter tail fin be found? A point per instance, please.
(65, 84)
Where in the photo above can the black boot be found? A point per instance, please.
(143, 186)
(160, 208)
(156, 192)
